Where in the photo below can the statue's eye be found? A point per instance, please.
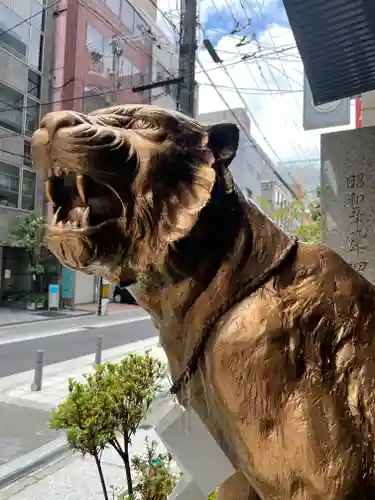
(143, 123)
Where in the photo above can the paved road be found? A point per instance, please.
(24, 429)
(17, 357)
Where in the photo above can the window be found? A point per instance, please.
(114, 5)
(9, 185)
(21, 7)
(28, 190)
(33, 84)
(36, 49)
(32, 116)
(27, 154)
(11, 108)
(14, 33)
(94, 40)
(38, 13)
(107, 55)
(127, 15)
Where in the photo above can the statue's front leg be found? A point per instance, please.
(237, 487)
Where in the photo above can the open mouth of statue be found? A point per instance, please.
(80, 203)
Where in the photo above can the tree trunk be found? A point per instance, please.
(126, 460)
(102, 480)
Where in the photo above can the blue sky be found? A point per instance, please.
(219, 21)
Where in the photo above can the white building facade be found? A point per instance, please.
(251, 165)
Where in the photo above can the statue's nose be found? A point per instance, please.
(57, 120)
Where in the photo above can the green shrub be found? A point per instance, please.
(107, 408)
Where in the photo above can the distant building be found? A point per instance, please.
(251, 165)
(25, 35)
(102, 50)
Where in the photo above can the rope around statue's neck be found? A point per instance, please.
(247, 290)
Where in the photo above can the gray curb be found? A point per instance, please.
(32, 461)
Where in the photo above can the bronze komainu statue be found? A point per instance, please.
(276, 338)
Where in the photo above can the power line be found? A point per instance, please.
(256, 91)
(28, 19)
(96, 94)
(257, 58)
(247, 135)
(114, 30)
(301, 151)
(245, 105)
(174, 27)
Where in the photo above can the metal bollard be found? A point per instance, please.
(98, 350)
(38, 373)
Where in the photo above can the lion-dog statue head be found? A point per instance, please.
(127, 183)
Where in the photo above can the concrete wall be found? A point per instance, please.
(348, 196)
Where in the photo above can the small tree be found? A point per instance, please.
(108, 407)
(87, 433)
(296, 218)
(28, 234)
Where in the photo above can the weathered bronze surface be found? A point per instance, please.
(287, 384)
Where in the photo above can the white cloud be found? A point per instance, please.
(279, 115)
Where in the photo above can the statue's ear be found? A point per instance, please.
(223, 141)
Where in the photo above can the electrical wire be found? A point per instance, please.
(28, 18)
(96, 94)
(283, 72)
(296, 146)
(174, 27)
(259, 50)
(247, 135)
(255, 91)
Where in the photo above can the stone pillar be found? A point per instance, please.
(348, 196)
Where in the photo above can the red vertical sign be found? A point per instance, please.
(358, 113)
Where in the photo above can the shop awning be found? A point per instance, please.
(336, 40)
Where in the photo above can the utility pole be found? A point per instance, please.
(188, 47)
(115, 73)
(116, 54)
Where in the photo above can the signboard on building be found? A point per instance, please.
(332, 114)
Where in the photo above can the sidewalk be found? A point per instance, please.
(25, 414)
(75, 478)
(9, 316)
